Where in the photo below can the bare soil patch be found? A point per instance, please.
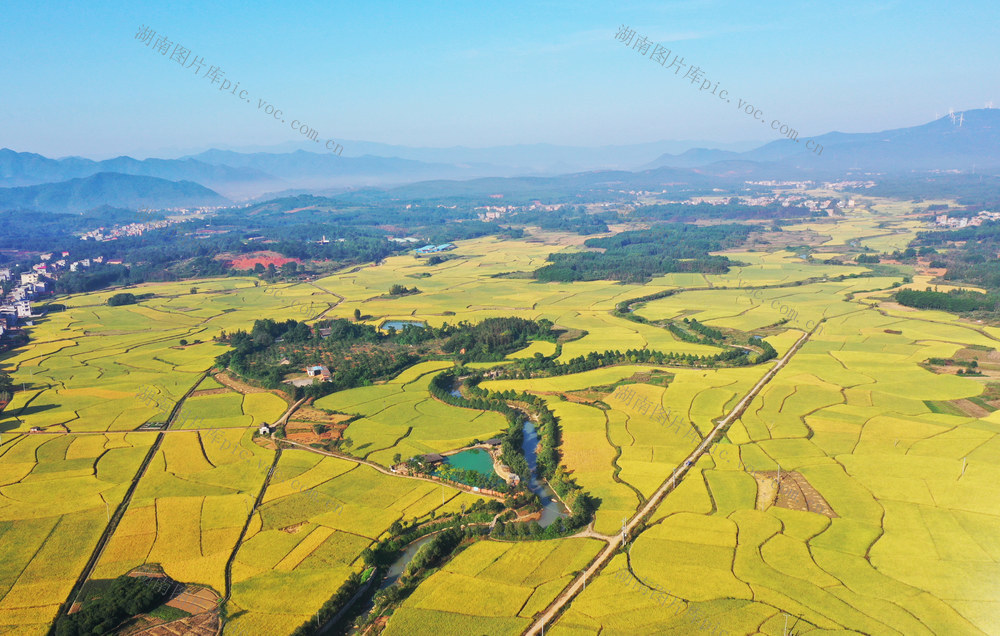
(309, 414)
(209, 392)
(970, 408)
(242, 387)
(794, 493)
(304, 433)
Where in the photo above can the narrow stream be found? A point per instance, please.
(552, 509)
(399, 566)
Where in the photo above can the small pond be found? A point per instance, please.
(399, 324)
(475, 459)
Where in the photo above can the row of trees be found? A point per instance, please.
(544, 367)
(956, 300)
(709, 332)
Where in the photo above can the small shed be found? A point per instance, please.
(432, 458)
(318, 371)
(265, 429)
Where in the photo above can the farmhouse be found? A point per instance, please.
(433, 249)
(318, 371)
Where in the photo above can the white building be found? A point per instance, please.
(23, 308)
(29, 277)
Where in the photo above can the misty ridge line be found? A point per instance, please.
(662, 54)
(215, 75)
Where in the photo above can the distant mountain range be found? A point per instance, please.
(541, 159)
(26, 168)
(968, 141)
(109, 188)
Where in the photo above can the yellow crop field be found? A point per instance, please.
(56, 492)
(402, 417)
(884, 518)
(493, 588)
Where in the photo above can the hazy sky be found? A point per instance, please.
(76, 81)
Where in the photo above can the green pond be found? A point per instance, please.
(473, 459)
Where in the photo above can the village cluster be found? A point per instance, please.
(24, 287)
(955, 222)
(132, 229)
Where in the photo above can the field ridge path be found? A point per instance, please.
(537, 626)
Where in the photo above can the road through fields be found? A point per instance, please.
(609, 551)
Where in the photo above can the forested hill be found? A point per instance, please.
(109, 188)
(636, 256)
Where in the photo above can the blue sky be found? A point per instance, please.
(75, 81)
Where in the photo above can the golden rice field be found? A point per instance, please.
(492, 588)
(317, 517)
(56, 492)
(402, 417)
(912, 546)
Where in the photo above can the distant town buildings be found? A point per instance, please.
(132, 229)
(848, 185)
(956, 222)
(801, 185)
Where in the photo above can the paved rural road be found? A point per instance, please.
(609, 551)
(386, 471)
